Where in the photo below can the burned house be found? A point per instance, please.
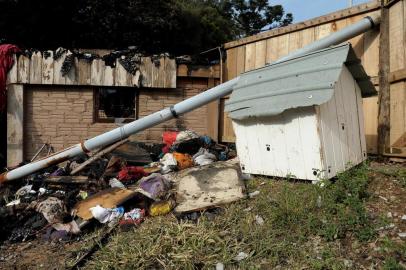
(60, 98)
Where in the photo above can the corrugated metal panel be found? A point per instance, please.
(300, 82)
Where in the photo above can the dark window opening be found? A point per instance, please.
(115, 105)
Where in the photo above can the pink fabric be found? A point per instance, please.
(6, 63)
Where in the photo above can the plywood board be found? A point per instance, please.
(207, 186)
(108, 198)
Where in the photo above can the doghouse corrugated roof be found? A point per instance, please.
(300, 82)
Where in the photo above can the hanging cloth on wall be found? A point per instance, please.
(6, 62)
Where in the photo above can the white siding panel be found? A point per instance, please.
(310, 142)
(349, 94)
(296, 160)
(330, 137)
(360, 111)
(341, 118)
(341, 121)
(284, 145)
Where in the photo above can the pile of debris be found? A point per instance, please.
(121, 185)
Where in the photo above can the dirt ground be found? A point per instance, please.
(382, 249)
(36, 254)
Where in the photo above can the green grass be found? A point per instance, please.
(302, 224)
(392, 251)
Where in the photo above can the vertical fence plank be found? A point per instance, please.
(23, 72)
(36, 68)
(48, 67)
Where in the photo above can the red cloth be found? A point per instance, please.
(168, 137)
(131, 173)
(6, 62)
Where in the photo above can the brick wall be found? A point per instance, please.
(63, 116)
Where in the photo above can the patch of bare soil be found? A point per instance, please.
(36, 254)
(387, 206)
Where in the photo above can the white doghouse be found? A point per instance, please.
(302, 118)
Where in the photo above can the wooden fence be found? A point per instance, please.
(258, 50)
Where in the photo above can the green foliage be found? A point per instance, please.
(154, 26)
(252, 16)
(392, 264)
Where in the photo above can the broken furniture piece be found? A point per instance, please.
(302, 118)
(108, 198)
